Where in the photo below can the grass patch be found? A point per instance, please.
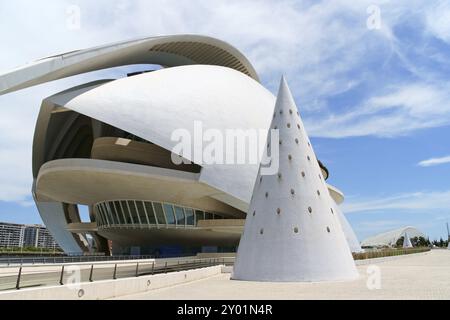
(387, 253)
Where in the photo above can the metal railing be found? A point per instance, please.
(28, 276)
(8, 261)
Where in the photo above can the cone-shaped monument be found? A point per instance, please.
(292, 232)
(407, 242)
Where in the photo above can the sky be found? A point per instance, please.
(370, 78)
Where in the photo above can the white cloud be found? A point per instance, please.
(400, 111)
(434, 161)
(424, 201)
(378, 225)
(438, 20)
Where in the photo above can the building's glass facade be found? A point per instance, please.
(149, 214)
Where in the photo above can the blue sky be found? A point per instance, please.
(376, 101)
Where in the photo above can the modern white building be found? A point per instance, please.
(107, 145)
(390, 238)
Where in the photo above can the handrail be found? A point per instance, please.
(11, 261)
(139, 268)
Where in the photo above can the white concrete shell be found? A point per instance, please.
(390, 238)
(292, 232)
(167, 51)
(153, 105)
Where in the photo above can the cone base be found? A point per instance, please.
(349, 276)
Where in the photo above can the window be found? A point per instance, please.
(150, 213)
(159, 213)
(113, 212)
(126, 211)
(108, 213)
(99, 216)
(179, 213)
(199, 215)
(190, 219)
(170, 215)
(133, 212)
(208, 216)
(119, 211)
(141, 212)
(104, 213)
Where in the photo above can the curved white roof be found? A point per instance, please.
(167, 51)
(390, 238)
(153, 105)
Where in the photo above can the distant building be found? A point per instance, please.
(11, 235)
(20, 235)
(390, 238)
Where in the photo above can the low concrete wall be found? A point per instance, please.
(99, 290)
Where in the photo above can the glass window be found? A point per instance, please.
(111, 214)
(125, 210)
(189, 216)
(104, 213)
(150, 214)
(133, 211)
(141, 211)
(99, 216)
(208, 216)
(159, 213)
(119, 211)
(199, 215)
(180, 216)
(116, 212)
(170, 215)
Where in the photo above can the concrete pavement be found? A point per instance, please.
(417, 276)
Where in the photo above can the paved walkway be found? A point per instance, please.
(418, 276)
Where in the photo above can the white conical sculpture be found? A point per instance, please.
(350, 235)
(292, 232)
(407, 242)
